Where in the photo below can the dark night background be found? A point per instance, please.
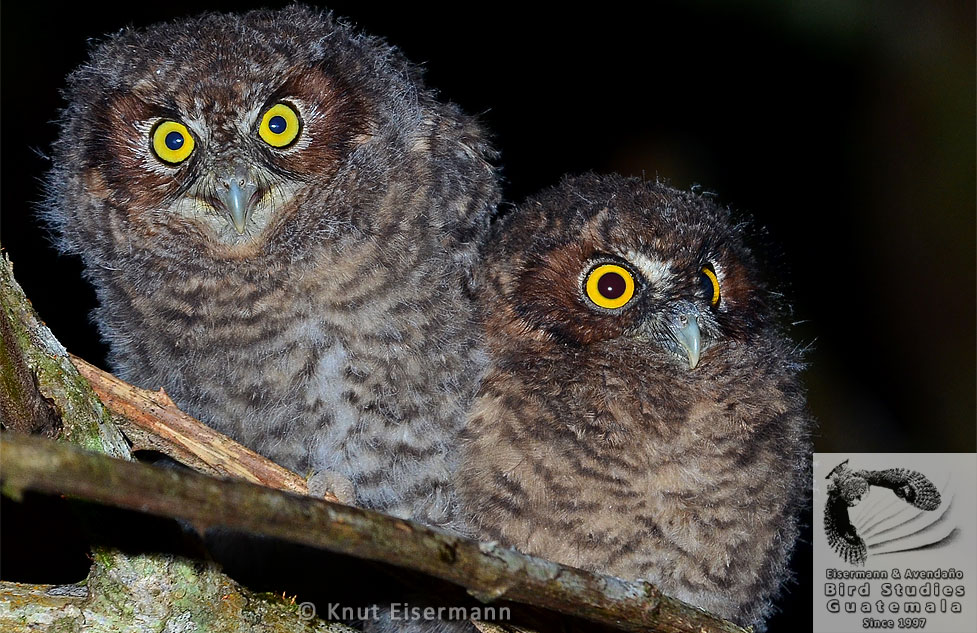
(845, 128)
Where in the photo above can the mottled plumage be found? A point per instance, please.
(307, 296)
(846, 490)
(665, 438)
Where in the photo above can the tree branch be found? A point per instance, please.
(488, 571)
(132, 594)
(47, 376)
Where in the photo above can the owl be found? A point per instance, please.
(642, 415)
(846, 490)
(280, 222)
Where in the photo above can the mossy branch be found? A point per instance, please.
(487, 571)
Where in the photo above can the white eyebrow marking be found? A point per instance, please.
(654, 271)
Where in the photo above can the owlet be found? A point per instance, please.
(280, 223)
(642, 415)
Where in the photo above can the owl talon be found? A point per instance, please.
(323, 482)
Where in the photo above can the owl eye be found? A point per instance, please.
(172, 142)
(710, 284)
(280, 125)
(610, 286)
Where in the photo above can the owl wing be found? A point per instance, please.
(913, 487)
(842, 536)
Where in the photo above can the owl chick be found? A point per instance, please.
(280, 222)
(642, 416)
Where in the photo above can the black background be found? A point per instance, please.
(845, 128)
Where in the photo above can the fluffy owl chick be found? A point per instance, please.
(642, 416)
(280, 221)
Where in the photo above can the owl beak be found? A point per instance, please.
(237, 204)
(683, 327)
(237, 195)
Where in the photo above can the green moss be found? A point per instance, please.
(85, 421)
(66, 624)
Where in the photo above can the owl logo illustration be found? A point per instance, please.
(851, 538)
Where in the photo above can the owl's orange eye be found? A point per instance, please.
(710, 284)
(280, 125)
(172, 142)
(610, 286)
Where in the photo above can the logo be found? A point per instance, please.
(887, 525)
(894, 542)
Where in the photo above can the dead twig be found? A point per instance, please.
(152, 420)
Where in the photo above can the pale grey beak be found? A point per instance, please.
(237, 204)
(684, 328)
(236, 195)
(677, 328)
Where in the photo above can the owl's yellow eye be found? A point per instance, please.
(710, 284)
(280, 125)
(172, 142)
(610, 286)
